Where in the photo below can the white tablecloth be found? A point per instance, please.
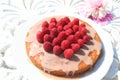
(15, 13)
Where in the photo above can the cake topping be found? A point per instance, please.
(65, 44)
(47, 37)
(63, 36)
(71, 38)
(40, 36)
(68, 53)
(75, 21)
(75, 28)
(75, 47)
(47, 46)
(86, 38)
(53, 20)
(57, 50)
(45, 24)
(80, 42)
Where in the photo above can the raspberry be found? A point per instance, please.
(65, 44)
(56, 41)
(51, 25)
(75, 28)
(66, 19)
(77, 35)
(83, 31)
(82, 25)
(54, 32)
(75, 21)
(71, 38)
(75, 47)
(52, 36)
(53, 20)
(80, 42)
(57, 50)
(60, 28)
(68, 53)
(61, 22)
(62, 35)
(40, 36)
(45, 24)
(45, 30)
(47, 37)
(69, 31)
(66, 27)
(70, 24)
(47, 46)
(86, 38)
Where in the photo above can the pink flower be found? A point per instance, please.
(103, 20)
(96, 10)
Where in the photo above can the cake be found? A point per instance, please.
(63, 45)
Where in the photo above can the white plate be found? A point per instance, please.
(28, 69)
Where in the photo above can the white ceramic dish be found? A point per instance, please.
(24, 64)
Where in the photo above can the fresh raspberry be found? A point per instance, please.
(52, 37)
(60, 28)
(71, 38)
(83, 31)
(61, 22)
(75, 47)
(70, 24)
(65, 44)
(45, 30)
(66, 27)
(54, 32)
(86, 38)
(82, 25)
(69, 31)
(53, 20)
(75, 28)
(40, 36)
(62, 35)
(66, 19)
(47, 37)
(68, 53)
(45, 24)
(51, 25)
(75, 21)
(77, 35)
(47, 46)
(56, 41)
(57, 50)
(80, 42)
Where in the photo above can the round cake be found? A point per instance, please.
(63, 45)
